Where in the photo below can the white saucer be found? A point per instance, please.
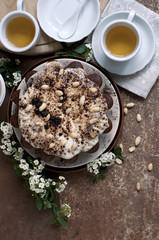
(52, 14)
(138, 62)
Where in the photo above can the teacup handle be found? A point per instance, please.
(131, 16)
(20, 5)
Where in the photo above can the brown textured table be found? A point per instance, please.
(109, 210)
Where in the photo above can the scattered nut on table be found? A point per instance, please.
(132, 149)
(138, 186)
(118, 161)
(125, 110)
(122, 147)
(130, 105)
(150, 167)
(137, 141)
(138, 117)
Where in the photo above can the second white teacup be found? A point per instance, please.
(19, 30)
(121, 39)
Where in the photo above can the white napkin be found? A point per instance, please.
(141, 82)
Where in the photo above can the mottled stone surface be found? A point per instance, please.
(112, 209)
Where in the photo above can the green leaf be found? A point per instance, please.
(80, 49)
(55, 210)
(63, 222)
(53, 221)
(26, 185)
(118, 152)
(47, 205)
(47, 193)
(2, 70)
(18, 170)
(12, 158)
(52, 196)
(38, 203)
(101, 176)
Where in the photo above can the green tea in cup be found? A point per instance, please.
(121, 40)
(20, 31)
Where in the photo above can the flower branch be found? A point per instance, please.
(31, 172)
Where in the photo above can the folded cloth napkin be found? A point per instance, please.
(141, 82)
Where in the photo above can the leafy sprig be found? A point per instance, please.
(99, 166)
(83, 50)
(118, 153)
(32, 173)
(10, 71)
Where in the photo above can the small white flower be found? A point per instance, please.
(3, 61)
(96, 171)
(3, 147)
(23, 161)
(21, 166)
(65, 182)
(42, 180)
(60, 188)
(95, 166)
(20, 150)
(90, 170)
(47, 184)
(26, 166)
(54, 183)
(17, 61)
(41, 185)
(36, 162)
(61, 178)
(17, 78)
(37, 190)
(13, 142)
(6, 152)
(66, 210)
(32, 172)
(25, 173)
(40, 167)
(88, 45)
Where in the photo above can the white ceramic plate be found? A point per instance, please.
(138, 62)
(115, 114)
(2, 90)
(53, 13)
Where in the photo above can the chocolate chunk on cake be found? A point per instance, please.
(62, 112)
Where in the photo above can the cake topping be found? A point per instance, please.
(65, 112)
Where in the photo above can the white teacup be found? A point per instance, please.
(121, 39)
(2, 90)
(19, 30)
